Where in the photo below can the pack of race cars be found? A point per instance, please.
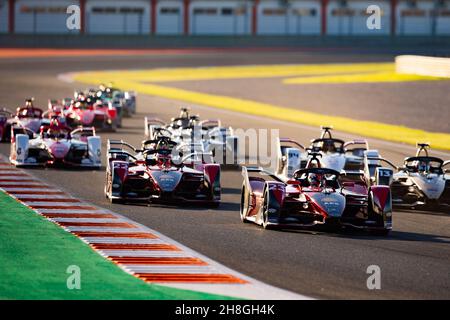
(330, 183)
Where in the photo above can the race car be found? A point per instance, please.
(207, 135)
(85, 111)
(56, 144)
(314, 196)
(334, 153)
(422, 181)
(28, 117)
(125, 100)
(5, 129)
(150, 174)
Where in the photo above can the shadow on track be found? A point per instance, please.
(366, 235)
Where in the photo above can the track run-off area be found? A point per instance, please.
(241, 89)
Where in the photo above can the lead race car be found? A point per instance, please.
(56, 144)
(152, 174)
(315, 196)
(189, 131)
(27, 116)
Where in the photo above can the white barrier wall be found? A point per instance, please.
(3, 16)
(118, 17)
(42, 16)
(422, 65)
(350, 17)
(169, 17)
(289, 18)
(220, 17)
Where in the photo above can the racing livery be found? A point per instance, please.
(315, 196)
(422, 181)
(56, 144)
(334, 153)
(190, 132)
(151, 174)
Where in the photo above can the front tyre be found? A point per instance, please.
(245, 201)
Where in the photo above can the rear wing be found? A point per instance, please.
(6, 112)
(257, 173)
(83, 131)
(149, 122)
(383, 160)
(361, 142)
(210, 123)
(117, 146)
(291, 141)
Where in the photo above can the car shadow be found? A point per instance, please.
(224, 206)
(394, 235)
(231, 191)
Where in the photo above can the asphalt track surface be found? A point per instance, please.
(414, 259)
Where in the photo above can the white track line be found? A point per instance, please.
(144, 253)
(122, 240)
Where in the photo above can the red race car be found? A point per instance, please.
(86, 112)
(151, 174)
(315, 196)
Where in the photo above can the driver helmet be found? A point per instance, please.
(328, 146)
(314, 179)
(422, 166)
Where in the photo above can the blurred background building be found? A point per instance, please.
(226, 17)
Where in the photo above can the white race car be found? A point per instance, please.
(332, 153)
(56, 144)
(196, 136)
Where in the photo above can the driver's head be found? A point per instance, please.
(29, 103)
(184, 113)
(422, 166)
(328, 146)
(314, 179)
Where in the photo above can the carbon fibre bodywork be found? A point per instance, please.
(271, 202)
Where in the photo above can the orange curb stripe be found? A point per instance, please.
(29, 186)
(134, 246)
(14, 180)
(158, 260)
(97, 224)
(47, 200)
(62, 207)
(22, 192)
(80, 215)
(136, 235)
(185, 277)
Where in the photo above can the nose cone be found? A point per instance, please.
(87, 117)
(333, 204)
(59, 150)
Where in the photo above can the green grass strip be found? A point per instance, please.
(35, 254)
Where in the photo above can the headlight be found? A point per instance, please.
(305, 205)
